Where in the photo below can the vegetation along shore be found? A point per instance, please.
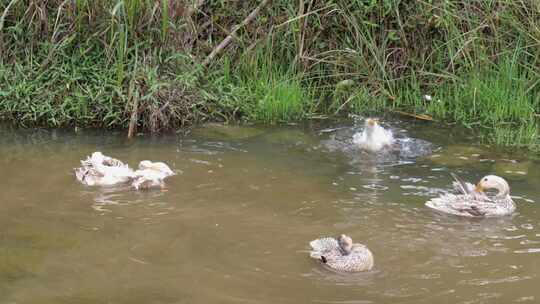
(157, 65)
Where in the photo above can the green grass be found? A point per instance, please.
(87, 63)
(272, 92)
(499, 99)
(72, 89)
(280, 100)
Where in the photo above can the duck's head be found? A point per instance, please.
(157, 166)
(493, 182)
(371, 122)
(345, 243)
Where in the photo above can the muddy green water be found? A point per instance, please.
(234, 225)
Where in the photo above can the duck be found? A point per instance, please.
(342, 254)
(100, 170)
(374, 137)
(473, 201)
(151, 175)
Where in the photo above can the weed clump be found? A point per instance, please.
(118, 63)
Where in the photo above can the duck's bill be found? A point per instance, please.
(479, 188)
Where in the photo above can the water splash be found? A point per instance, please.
(375, 145)
(374, 137)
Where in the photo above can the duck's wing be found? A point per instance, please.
(112, 162)
(80, 174)
(472, 210)
(462, 204)
(87, 162)
(86, 173)
(360, 259)
(461, 186)
(145, 179)
(144, 183)
(98, 158)
(489, 208)
(149, 174)
(494, 206)
(389, 137)
(89, 176)
(474, 205)
(123, 173)
(110, 167)
(153, 174)
(164, 169)
(99, 169)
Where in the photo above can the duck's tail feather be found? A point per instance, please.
(315, 254)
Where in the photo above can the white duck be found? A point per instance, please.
(101, 170)
(341, 254)
(151, 175)
(473, 202)
(374, 137)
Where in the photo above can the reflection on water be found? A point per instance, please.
(234, 225)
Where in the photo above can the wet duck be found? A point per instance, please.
(341, 254)
(151, 175)
(374, 137)
(472, 201)
(101, 170)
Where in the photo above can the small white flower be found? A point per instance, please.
(427, 97)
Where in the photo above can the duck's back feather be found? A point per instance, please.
(470, 206)
(101, 170)
(328, 251)
(360, 259)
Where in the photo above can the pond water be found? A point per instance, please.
(234, 225)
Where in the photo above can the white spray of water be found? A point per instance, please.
(374, 137)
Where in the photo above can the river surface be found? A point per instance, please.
(234, 225)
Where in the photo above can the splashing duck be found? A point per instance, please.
(151, 175)
(101, 170)
(342, 254)
(472, 201)
(374, 137)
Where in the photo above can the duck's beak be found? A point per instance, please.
(479, 188)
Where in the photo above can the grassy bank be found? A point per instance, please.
(159, 64)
